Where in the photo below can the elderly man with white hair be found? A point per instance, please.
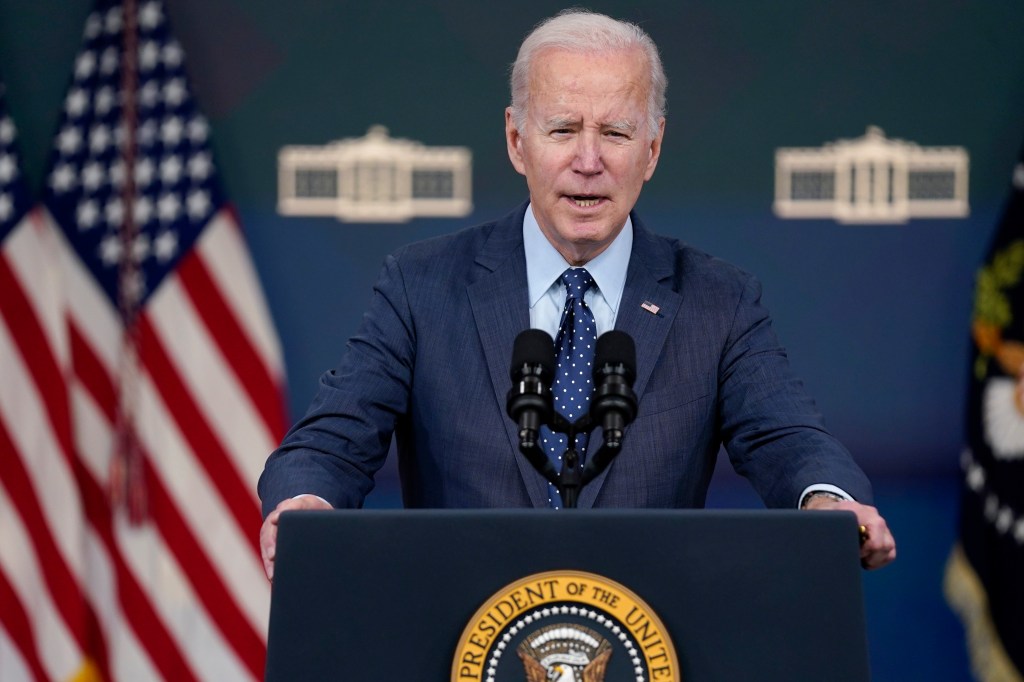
(429, 364)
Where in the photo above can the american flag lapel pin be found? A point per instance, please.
(650, 307)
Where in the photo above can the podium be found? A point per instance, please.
(392, 595)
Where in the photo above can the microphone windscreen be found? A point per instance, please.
(616, 348)
(534, 347)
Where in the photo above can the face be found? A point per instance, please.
(585, 148)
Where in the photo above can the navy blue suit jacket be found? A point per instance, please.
(430, 364)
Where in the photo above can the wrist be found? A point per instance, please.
(819, 498)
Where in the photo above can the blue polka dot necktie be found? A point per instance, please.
(577, 335)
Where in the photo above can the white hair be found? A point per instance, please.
(583, 31)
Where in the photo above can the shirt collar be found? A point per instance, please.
(544, 265)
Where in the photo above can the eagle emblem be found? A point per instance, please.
(565, 653)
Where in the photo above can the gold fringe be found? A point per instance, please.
(966, 595)
(88, 672)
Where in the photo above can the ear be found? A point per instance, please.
(655, 152)
(514, 142)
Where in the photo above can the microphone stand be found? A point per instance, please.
(613, 405)
(573, 477)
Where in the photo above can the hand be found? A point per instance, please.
(268, 532)
(878, 546)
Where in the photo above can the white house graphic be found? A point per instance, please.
(871, 179)
(375, 178)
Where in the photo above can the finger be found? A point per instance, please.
(878, 550)
(268, 543)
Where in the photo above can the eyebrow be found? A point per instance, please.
(561, 122)
(625, 126)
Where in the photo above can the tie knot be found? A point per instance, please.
(577, 281)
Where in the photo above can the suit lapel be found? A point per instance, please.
(501, 311)
(648, 280)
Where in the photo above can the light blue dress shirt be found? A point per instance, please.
(544, 267)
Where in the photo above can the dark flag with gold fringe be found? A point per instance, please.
(985, 573)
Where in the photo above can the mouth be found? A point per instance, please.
(584, 200)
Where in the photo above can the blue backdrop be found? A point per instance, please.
(875, 317)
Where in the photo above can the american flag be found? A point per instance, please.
(141, 385)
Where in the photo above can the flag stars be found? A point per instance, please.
(109, 61)
(93, 176)
(165, 246)
(105, 99)
(114, 211)
(112, 22)
(87, 215)
(150, 16)
(69, 140)
(85, 65)
(173, 54)
(149, 94)
(975, 478)
(93, 26)
(164, 190)
(198, 204)
(146, 133)
(144, 172)
(168, 208)
(149, 55)
(171, 131)
(76, 102)
(99, 139)
(170, 170)
(1004, 519)
(198, 130)
(8, 168)
(142, 210)
(63, 178)
(6, 130)
(175, 92)
(110, 250)
(200, 166)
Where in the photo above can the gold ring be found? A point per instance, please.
(863, 533)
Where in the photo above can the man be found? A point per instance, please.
(430, 361)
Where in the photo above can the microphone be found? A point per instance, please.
(529, 401)
(613, 404)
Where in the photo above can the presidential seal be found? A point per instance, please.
(565, 626)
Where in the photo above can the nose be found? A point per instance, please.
(587, 160)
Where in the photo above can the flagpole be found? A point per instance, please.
(128, 486)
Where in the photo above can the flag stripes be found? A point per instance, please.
(58, 648)
(191, 368)
(18, 657)
(191, 497)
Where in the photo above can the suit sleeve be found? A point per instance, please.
(770, 426)
(343, 439)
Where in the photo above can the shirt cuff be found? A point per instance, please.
(331, 505)
(823, 488)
